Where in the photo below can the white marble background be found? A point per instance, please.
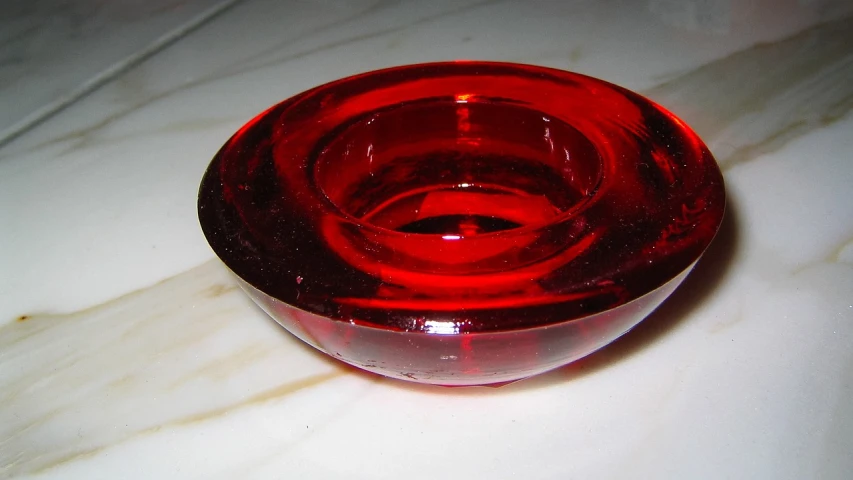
(127, 352)
(52, 52)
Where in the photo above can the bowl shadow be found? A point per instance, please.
(691, 295)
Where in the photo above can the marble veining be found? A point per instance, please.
(134, 344)
(757, 99)
(745, 372)
(53, 52)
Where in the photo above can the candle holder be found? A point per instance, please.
(461, 223)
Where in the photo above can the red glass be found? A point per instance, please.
(461, 223)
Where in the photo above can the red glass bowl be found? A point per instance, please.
(461, 223)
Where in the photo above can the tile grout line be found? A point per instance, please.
(104, 76)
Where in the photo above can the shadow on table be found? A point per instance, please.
(693, 294)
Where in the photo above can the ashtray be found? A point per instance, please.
(461, 223)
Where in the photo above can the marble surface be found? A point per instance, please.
(52, 52)
(126, 350)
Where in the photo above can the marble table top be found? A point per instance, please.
(127, 350)
(53, 52)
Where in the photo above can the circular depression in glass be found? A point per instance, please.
(461, 223)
